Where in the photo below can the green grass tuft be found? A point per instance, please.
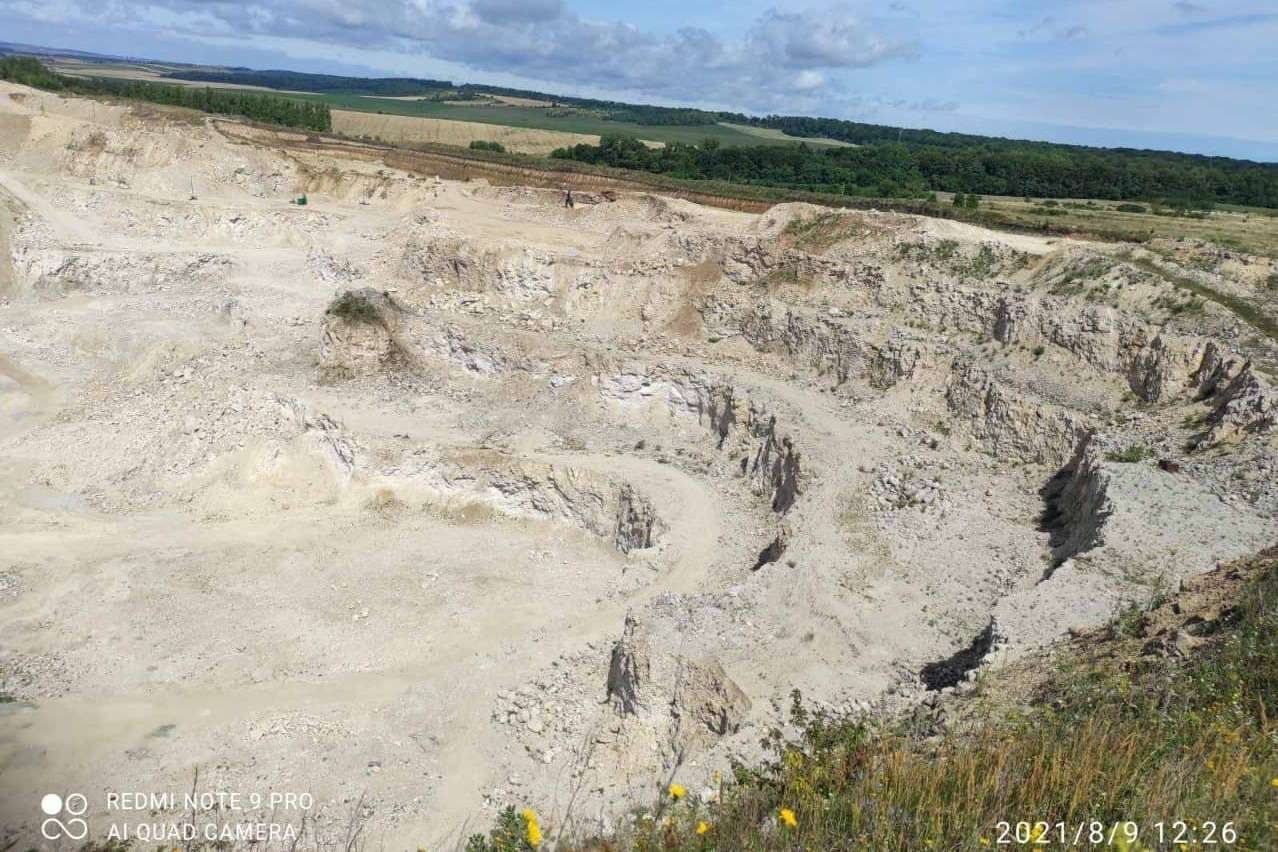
(1129, 455)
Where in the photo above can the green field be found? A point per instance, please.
(531, 117)
(543, 118)
(770, 135)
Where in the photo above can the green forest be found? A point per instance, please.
(267, 108)
(993, 167)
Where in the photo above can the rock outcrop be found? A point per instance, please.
(1155, 364)
(441, 260)
(630, 670)
(775, 548)
(1078, 504)
(1216, 369)
(743, 429)
(1009, 424)
(360, 334)
(686, 703)
(830, 346)
(1247, 405)
(637, 521)
(613, 510)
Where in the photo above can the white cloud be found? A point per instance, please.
(780, 61)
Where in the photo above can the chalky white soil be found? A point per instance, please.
(555, 505)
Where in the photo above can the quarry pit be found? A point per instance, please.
(428, 497)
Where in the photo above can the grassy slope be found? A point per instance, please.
(771, 134)
(1117, 726)
(1249, 228)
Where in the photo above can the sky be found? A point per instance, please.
(1190, 75)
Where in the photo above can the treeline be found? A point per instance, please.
(786, 166)
(267, 108)
(897, 170)
(30, 72)
(998, 166)
(859, 133)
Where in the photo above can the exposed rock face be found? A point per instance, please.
(534, 489)
(706, 705)
(1246, 406)
(1216, 370)
(1136, 519)
(1009, 318)
(743, 429)
(687, 703)
(442, 260)
(1155, 365)
(1078, 503)
(454, 346)
(827, 347)
(893, 362)
(1011, 425)
(615, 511)
(774, 469)
(325, 433)
(831, 347)
(1155, 369)
(629, 670)
(359, 334)
(55, 270)
(637, 520)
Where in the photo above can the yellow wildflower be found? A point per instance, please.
(1274, 783)
(788, 819)
(532, 828)
(678, 791)
(703, 827)
(1037, 832)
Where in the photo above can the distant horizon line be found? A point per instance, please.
(49, 50)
